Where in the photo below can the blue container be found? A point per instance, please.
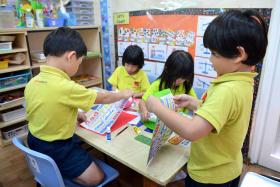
(14, 80)
(53, 22)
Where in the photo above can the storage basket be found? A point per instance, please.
(6, 46)
(4, 64)
(9, 134)
(14, 80)
(13, 114)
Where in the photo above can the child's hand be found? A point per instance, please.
(126, 93)
(152, 103)
(137, 95)
(81, 117)
(187, 101)
(144, 115)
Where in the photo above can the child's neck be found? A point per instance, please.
(244, 68)
(56, 62)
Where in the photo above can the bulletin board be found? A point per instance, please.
(159, 32)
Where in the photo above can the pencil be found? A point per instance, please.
(121, 131)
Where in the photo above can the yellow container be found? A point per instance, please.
(4, 64)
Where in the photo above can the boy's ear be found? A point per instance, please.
(71, 55)
(242, 54)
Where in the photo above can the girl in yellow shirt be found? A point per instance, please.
(130, 75)
(177, 75)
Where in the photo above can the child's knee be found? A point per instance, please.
(92, 176)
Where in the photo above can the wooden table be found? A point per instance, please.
(134, 154)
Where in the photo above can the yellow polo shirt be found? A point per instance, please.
(138, 82)
(180, 90)
(52, 102)
(217, 158)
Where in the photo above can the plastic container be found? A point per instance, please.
(4, 64)
(6, 46)
(12, 114)
(85, 22)
(19, 130)
(77, 10)
(84, 17)
(14, 80)
(82, 4)
(13, 98)
(53, 22)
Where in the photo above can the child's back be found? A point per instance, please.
(52, 103)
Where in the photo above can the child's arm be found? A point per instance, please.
(81, 117)
(187, 101)
(111, 97)
(190, 129)
(138, 95)
(143, 110)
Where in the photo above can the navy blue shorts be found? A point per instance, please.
(70, 158)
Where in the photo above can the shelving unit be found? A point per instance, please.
(30, 40)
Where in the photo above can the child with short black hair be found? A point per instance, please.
(52, 103)
(129, 75)
(177, 75)
(238, 41)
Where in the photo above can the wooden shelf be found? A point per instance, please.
(12, 88)
(9, 141)
(8, 123)
(13, 68)
(22, 30)
(17, 50)
(10, 104)
(91, 83)
(28, 40)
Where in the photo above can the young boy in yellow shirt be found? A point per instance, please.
(238, 41)
(129, 75)
(52, 102)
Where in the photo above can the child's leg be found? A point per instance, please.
(189, 182)
(72, 161)
(91, 176)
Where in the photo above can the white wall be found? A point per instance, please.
(131, 5)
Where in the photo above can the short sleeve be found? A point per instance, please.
(153, 88)
(81, 97)
(217, 107)
(145, 82)
(113, 80)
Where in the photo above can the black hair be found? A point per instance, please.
(134, 55)
(178, 65)
(235, 28)
(63, 40)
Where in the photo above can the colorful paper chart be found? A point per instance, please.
(161, 132)
(103, 116)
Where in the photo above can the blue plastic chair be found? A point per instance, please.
(47, 174)
(252, 179)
